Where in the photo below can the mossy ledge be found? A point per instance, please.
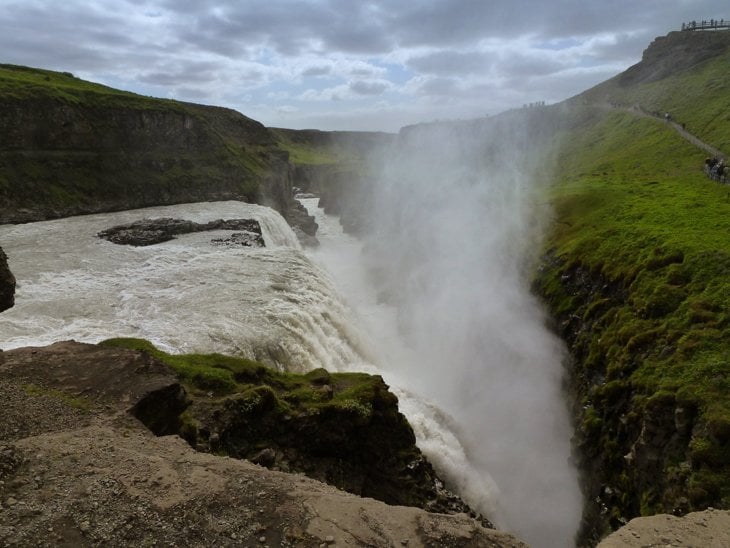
(341, 428)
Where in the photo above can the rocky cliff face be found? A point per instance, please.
(637, 448)
(70, 147)
(7, 283)
(675, 52)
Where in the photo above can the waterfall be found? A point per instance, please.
(455, 225)
(274, 304)
(282, 305)
(186, 295)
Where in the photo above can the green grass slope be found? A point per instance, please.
(637, 275)
(684, 74)
(21, 83)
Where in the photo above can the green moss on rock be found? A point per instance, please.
(341, 428)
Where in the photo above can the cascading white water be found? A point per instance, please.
(438, 435)
(271, 304)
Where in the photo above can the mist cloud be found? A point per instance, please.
(456, 228)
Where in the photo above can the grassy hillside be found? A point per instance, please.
(337, 165)
(683, 73)
(69, 146)
(637, 275)
(21, 83)
(346, 149)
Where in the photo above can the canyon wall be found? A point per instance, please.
(70, 147)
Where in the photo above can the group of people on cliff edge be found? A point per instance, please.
(716, 169)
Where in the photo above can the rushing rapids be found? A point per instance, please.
(270, 304)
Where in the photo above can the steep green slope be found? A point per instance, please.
(684, 74)
(637, 275)
(70, 146)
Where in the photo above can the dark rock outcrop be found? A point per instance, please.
(7, 283)
(155, 231)
(675, 52)
(366, 448)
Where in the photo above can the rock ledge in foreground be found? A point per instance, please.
(77, 469)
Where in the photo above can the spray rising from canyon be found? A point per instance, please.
(456, 332)
(454, 231)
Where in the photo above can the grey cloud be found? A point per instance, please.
(518, 65)
(288, 27)
(626, 47)
(322, 70)
(383, 25)
(58, 37)
(189, 93)
(454, 24)
(439, 87)
(181, 76)
(358, 29)
(362, 87)
(451, 63)
(230, 31)
(361, 72)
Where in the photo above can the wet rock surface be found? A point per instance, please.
(81, 470)
(154, 231)
(7, 283)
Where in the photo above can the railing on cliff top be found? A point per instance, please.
(712, 24)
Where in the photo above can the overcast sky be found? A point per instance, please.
(344, 64)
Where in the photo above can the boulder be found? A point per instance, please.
(7, 283)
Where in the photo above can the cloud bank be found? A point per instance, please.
(328, 64)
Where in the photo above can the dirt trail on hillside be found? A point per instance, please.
(676, 126)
